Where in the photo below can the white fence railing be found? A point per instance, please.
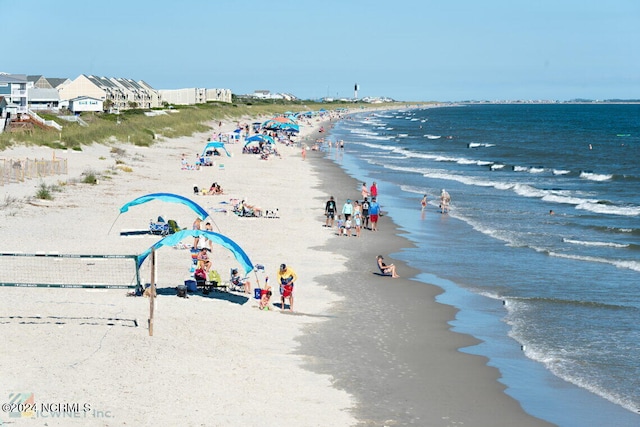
(39, 119)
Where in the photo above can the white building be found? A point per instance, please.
(119, 93)
(85, 103)
(192, 96)
(43, 99)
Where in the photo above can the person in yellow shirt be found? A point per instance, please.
(286, 278)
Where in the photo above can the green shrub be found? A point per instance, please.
(44, 192)
(90, 177)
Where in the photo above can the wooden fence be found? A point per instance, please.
(18, 170)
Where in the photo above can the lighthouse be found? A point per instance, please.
(355, 91)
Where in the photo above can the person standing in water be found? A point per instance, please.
(445, 199)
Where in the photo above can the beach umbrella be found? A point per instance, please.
(289, 127)
(260, 138)
(283, 119)
(279, 122)
(217, 238)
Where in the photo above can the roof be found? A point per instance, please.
(146, 85)
(102, 82)
(13, 78)
(40, 94)
(56, 81)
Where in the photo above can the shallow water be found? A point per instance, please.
(562, 287)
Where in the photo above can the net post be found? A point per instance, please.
(136, 259)
(152, 288)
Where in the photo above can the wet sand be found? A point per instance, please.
(388, 342)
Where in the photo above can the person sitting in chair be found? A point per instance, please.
(388, 270)
(203, 260)
(237, 281)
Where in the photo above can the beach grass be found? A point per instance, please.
(133, 126)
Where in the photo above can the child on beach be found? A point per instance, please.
(347, 227)
(358, 223)
(340, 224)
(265, 295)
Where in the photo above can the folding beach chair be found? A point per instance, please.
(213, 283)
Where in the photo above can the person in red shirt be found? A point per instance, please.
(374, 190)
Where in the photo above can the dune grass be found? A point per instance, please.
(135, 127)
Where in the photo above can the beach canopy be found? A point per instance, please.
(260, 138)
(217, 238)
(213, 145)
(167, 197)
(281, 123)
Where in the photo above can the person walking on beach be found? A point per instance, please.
(423, 202)
(374, 211)
(286, 278)
(347, 209)
(445, 199)
(364, 191)
(365, 212)
(330, 212)
(374, 190)
(357, 220)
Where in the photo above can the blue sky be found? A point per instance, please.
(420, 50)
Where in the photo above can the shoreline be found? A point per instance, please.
(379, 346)
(355, 346)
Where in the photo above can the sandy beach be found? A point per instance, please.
(359, 349)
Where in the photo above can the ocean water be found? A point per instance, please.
(555, 297)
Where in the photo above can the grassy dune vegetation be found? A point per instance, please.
(135, 127)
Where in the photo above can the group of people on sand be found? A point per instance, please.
(286, 276)
(214, 190)
(354, 216)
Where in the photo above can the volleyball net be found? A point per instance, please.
(53, 270)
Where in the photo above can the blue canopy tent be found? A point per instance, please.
(260, 138)
(167, 197)
(286, 127)
(219, 239)
(281, 123)
(212, 146)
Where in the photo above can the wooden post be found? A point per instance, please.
(152, 289)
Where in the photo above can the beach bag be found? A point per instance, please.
(182, 291)
(192, 285)
(200, 274)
